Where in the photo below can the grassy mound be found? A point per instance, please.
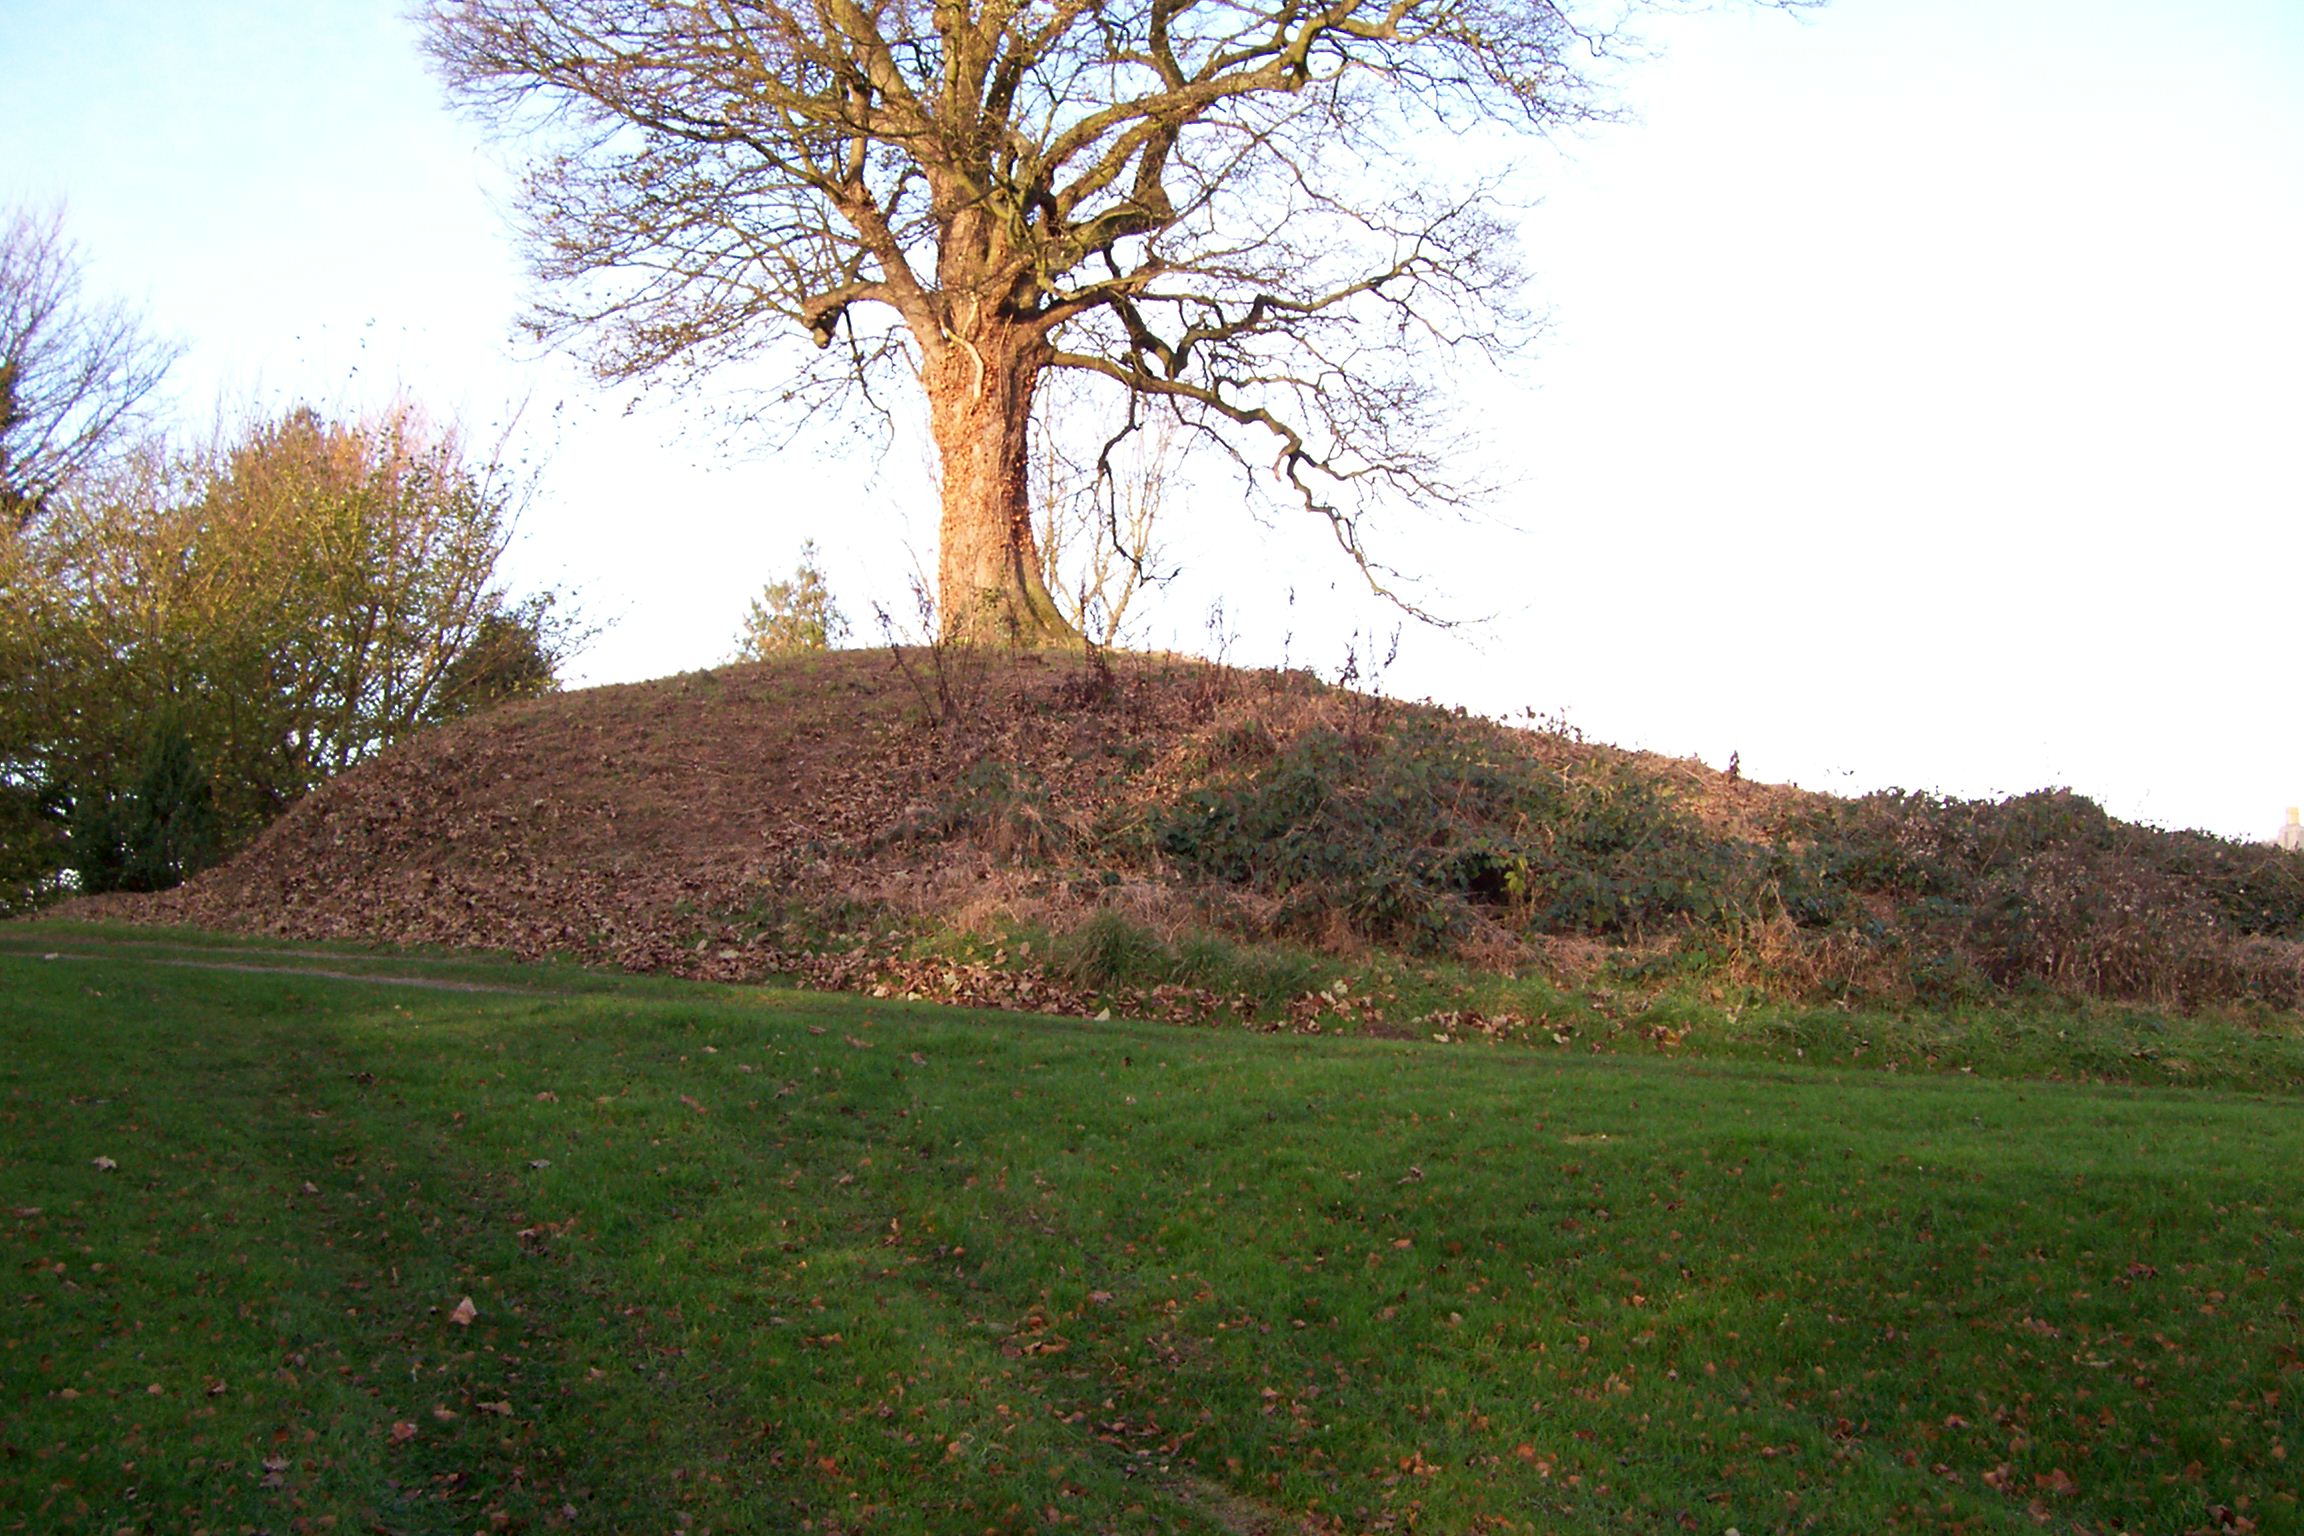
(1177, 839)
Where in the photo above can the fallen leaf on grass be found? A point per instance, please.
(547, 1097)
(104, 1164)
(275, 1471)
(862, 1045)
(443, 1413)
(464, 1314)
(26, 1212)
(537, 1236)
(502, 1410)
(402, 1433)
(692, 1104)
(2058, 1482)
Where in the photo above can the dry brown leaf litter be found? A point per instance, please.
(630, 825)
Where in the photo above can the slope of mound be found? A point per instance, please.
(612, 822)
(803, 815)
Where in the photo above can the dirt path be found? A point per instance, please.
(374, 978)
(110, 944)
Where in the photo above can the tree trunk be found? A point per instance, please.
(988, 585)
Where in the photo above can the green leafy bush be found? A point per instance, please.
(1420, 830)
(1403, 836)
(2048, 888)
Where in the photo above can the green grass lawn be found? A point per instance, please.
(756, 1260)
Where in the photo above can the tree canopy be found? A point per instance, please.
(1231, 206)
(192, 640)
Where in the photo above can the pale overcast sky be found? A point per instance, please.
(1920, 404)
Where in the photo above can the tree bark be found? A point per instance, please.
(988, 584)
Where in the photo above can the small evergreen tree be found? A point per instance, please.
(157, 835)
(792, 616)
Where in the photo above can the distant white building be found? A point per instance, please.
(2292, 835)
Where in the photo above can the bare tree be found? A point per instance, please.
(1222, 204)
(75, 374)
(1096, 515)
